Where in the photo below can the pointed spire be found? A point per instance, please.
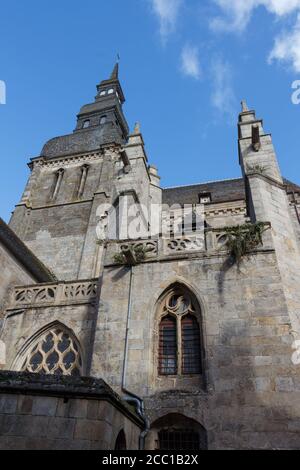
(115, 72)
(137, 128)
(244, 106)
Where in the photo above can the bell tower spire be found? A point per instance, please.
(112, 86)
(106, 113)
(115, 72)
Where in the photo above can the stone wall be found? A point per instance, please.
(61, 231)
(39, 413)
(12, 273)
(33, 309)
(248, 395)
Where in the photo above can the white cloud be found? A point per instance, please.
(167, 12)
(287, 47)
(190, 64)
(223, 96)
(238, 12)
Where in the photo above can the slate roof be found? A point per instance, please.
(220, 191)
(87, 140)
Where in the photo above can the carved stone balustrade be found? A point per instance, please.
(211, 241)
(63, 293)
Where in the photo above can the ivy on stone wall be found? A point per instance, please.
(241, 239)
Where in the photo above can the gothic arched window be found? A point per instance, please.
(180, 348)
(56, 352)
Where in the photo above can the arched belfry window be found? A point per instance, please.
(180, 344)
(58, 177)
(55, 352)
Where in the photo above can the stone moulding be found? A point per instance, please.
(54, 294)
(68, 160)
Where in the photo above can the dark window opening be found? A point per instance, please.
(191, 352)
(121, 441)
(167, 346)
(178, 439)
(205, 198)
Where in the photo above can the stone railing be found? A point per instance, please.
(54, 294)
(184, 244)
(150, 247)
(213, 240)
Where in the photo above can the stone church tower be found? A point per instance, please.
(182, 336)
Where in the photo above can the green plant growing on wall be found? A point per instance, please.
(244, 238)
(138, 255)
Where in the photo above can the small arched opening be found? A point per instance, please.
(176, 432)
(121, 441)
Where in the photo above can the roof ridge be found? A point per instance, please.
(199, 184)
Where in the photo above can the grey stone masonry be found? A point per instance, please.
(55, 413)
(268, 201)
(236, 382)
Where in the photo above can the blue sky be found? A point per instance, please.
(185, 66)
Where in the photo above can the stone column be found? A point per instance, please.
(268, 202)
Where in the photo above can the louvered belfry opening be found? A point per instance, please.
(191, 350)
(168, 346)
(180, 339)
